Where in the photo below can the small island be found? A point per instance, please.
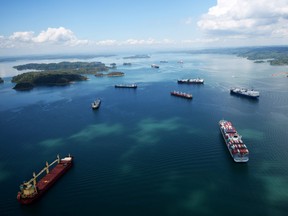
(259, 61)
(27, 81)
(1, 80)
(76, 67)
(115, 74)
(111, 74)
(113, 65)
(136, 57)
(127, 64)
(55, 74)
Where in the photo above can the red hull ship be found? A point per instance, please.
(181, 94)
(32, 190)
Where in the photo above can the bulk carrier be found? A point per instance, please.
(32, 190)
(126, 86)
(238, 150)
(181, 94)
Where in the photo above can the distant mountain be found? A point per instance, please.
(49, 57)
(275, 55)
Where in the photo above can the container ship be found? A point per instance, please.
(191, 81)
(245, 92)
(181, 94)
(126, 86)
(32, 190)
(234, 143)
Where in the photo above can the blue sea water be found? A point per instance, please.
(145, 152)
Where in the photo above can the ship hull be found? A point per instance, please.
(236, 157)
(94, 107)
(96, 104)
(46, 182)
(126, 86)
(189, 82)
(233, 92)
(182, 95)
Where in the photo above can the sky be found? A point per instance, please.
(107, 26)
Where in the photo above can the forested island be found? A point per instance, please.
(77, 67)
(27, 81)
(52, 74)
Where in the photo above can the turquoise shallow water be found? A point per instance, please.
(145, 152)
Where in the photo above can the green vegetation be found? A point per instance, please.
(52, 74)
(23, 86)
(76, 67)
(111, 74)
(30, 79)
(273, 55)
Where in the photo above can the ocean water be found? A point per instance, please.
(145, 152)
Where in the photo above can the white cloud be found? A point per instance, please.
(3, 42)
(107, 43)
(247, 17)
(149, 41)
(200, 41)
(62, 37)
(131, 42)
(58, 36)
(22, 36)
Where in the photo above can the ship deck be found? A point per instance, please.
(52, 175)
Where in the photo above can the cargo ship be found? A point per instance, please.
(238, 150)
(154, 66)
(245, 92)
(96, 104)
(191, 81)
(32, 190)
(181, 94)
(126, 86)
